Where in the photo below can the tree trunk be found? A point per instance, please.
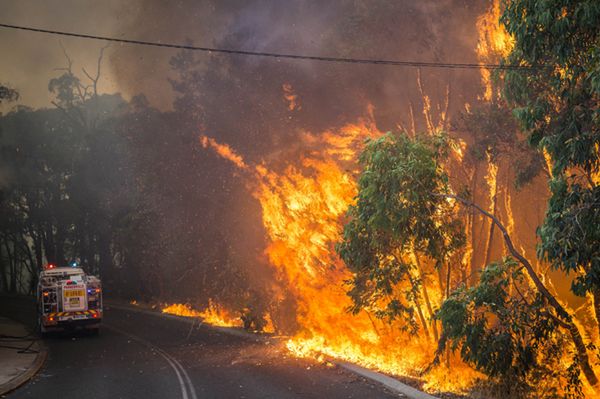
(3, 269)
(37, 246)
(373, 324)
(582, 355)
(427, 301)
(59, 243)
(473, 267)
(104, 255)
(596, 296)
(48, 240)
(421, 317)
(490, 240)
(12, 276)
(417, 294)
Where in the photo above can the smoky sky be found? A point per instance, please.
(30, 60)
(241, 97)
(329, 93)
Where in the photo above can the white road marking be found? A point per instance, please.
(185, 382)
(190, 386)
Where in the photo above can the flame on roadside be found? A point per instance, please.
(214, 314)
(179, 309)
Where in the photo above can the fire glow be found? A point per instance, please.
(214, 314)
(303, 208)
(494, 42)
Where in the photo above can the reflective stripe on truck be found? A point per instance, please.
(79, 313)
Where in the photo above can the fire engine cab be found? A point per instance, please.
(68, 298)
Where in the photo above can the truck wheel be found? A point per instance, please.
(41, 329)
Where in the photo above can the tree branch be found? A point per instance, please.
(568, 322)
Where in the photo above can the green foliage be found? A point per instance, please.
(8, 94)
(571, 233)
(494, 129)
(64, 89)
(504, 330)
(495, 134)
(557, 101)
(400, 210)
(558, 105)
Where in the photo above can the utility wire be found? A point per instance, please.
(274, 55)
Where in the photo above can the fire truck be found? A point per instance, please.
(68, 299)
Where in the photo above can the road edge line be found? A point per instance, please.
(186, 377)
(184, 380)
(387, 381)
(26, 376)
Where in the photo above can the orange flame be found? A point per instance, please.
(494, 43)
(180, 309)
(302, 210)
(223, 150)
(291, 97)
(214, 314)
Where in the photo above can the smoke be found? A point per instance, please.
(332, 93)
(29, 60)
(244, 101)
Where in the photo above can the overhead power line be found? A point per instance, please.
(271, 55)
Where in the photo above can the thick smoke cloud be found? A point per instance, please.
(249, 89)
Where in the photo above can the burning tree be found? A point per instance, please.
(397, 230)
(505, 325)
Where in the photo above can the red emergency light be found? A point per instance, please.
(50, 266)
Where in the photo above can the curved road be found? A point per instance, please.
(141, 355)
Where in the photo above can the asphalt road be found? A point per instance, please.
(139, 355)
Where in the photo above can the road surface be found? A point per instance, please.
(140, 355)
